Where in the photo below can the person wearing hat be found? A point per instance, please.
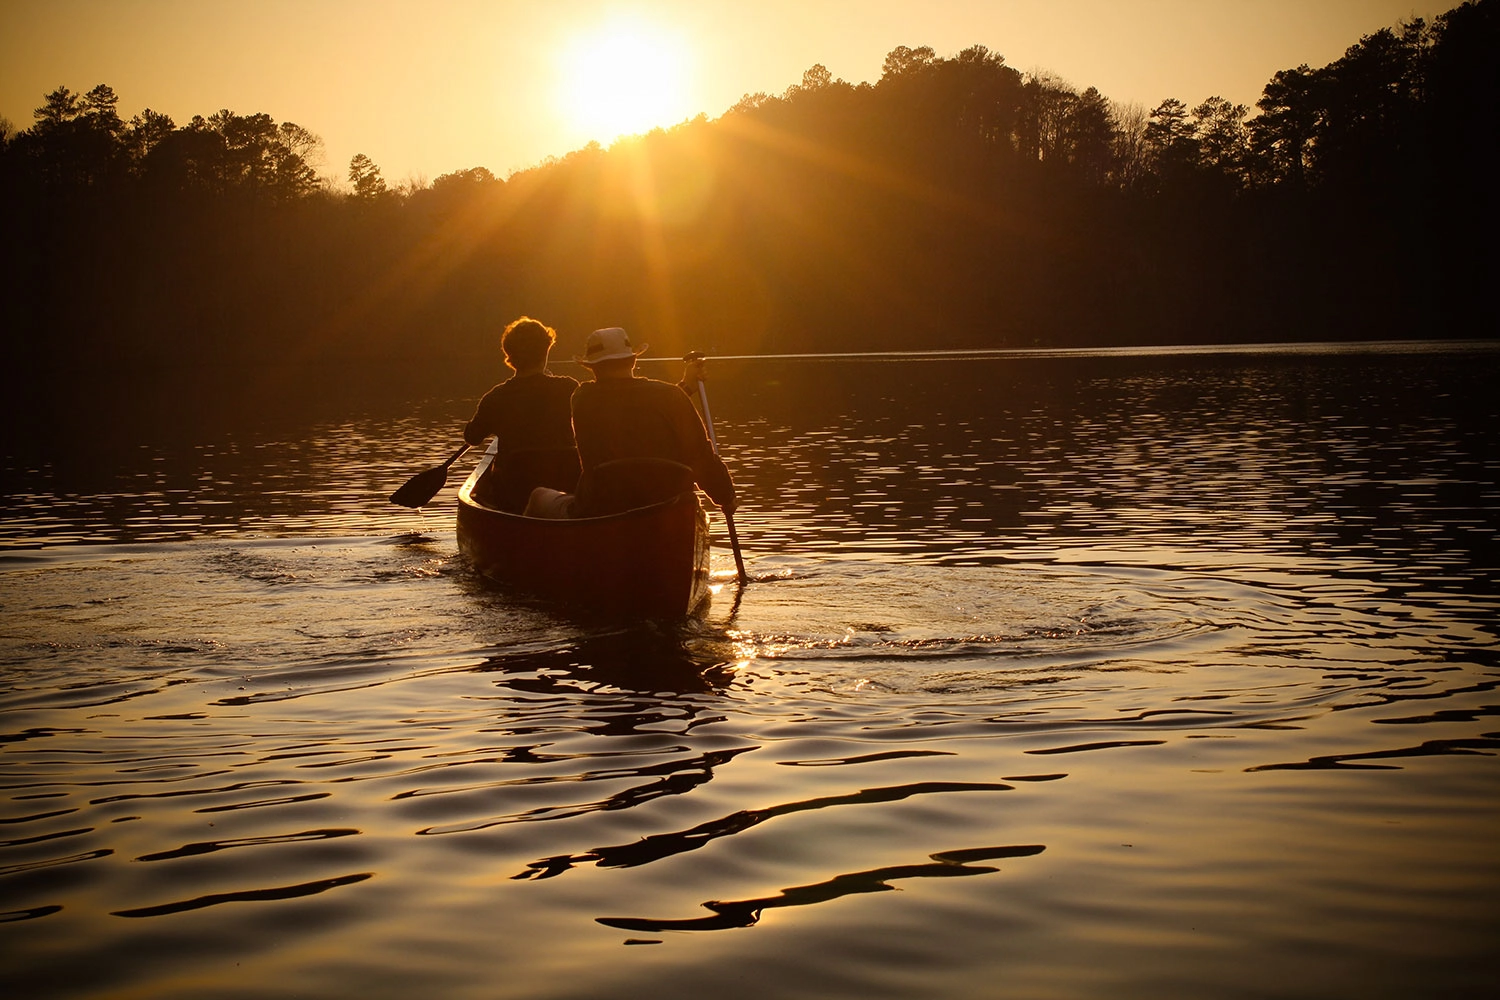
(639, 440)
(529, 415)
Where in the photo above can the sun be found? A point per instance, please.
(622, 79)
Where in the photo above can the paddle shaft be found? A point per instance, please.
(734, 537)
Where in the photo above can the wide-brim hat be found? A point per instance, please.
(609, 344)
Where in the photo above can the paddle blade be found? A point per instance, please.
(419, 490)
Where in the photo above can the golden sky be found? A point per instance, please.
(424, 88)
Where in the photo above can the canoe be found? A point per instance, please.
(648, 562)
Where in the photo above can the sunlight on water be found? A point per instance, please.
(1135, 677)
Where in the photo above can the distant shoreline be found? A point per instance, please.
(1143, 350)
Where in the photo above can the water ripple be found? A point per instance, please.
(245, 896)
(1222, 596)
(747, 912)
(664, 845)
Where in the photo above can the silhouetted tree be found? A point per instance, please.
(1172, 140)
(1463, 98)
(1043, 118)
(73, 142)
(1223, 141)
(1129, 149)
(1091, 131)
(902, 61)
(145, 132)
(1285, 131)
(365, 176)
(474, 176)
(1371, 98)
(59, 108)
(816, 78)
(256, 153)
(985, 94)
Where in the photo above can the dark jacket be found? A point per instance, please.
(526, 412)
(617, 419)
(531, 419)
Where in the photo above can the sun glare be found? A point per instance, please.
(624, 79)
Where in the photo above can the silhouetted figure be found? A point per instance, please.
(528, 414)
(640, 441)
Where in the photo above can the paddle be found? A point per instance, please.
(708, 420)
(419, 490)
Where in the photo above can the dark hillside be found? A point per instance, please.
(953, 203)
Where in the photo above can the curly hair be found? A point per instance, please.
(526, 342)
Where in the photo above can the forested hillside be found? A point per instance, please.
(955, 202)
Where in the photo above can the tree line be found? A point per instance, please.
(954, 202)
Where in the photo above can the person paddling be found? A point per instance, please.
(639, 440)
(529, 416)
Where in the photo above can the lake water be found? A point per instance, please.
(1131, 675)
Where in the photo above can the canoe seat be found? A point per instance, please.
(628, 483)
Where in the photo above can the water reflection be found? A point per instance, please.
(245, 896)
(658, 846)
(1480, 747)
(211, 846)
(649, 657)
(747, 912)
(1377, 456)
(676, 776)
(1182, 615)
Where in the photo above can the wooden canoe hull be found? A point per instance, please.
(649, 562)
